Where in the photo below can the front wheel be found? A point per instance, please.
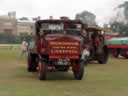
(78, 70)
(42, 70)
(103, 56)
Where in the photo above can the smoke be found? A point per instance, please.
(120, 12)
(124, 6)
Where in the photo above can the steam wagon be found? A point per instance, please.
(58, 45)
(96, 44)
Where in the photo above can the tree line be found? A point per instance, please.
(119, 23)
(6, 38)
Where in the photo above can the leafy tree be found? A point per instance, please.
(125, 7)
(121, 26)
(86, 17)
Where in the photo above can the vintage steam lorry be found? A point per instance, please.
(63, 43)
(58, 45)
(96, 44)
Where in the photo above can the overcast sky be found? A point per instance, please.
(56, 8)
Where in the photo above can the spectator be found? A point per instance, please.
(24, 47)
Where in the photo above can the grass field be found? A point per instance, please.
(100, 80)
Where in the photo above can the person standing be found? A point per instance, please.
(24, 47)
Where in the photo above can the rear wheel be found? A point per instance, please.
(115, 53)
(124, 53)
(42, 68)
(31, 66)
(103, 56)
(78, 70)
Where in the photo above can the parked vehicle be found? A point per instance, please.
(58, 45)
(110, 35)
(96, 44)
(118, 46)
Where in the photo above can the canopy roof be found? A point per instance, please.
(97, 28)
(118, 40)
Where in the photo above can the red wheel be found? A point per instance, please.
(126, 54)
(78, 70)
(42, 70)
(115, 53)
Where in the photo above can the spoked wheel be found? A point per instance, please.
(115, 53)
(31, 66)
(103, 57)
(42, 70)
(126, 54)
(78, 70)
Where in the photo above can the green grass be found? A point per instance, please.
(100, 80)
